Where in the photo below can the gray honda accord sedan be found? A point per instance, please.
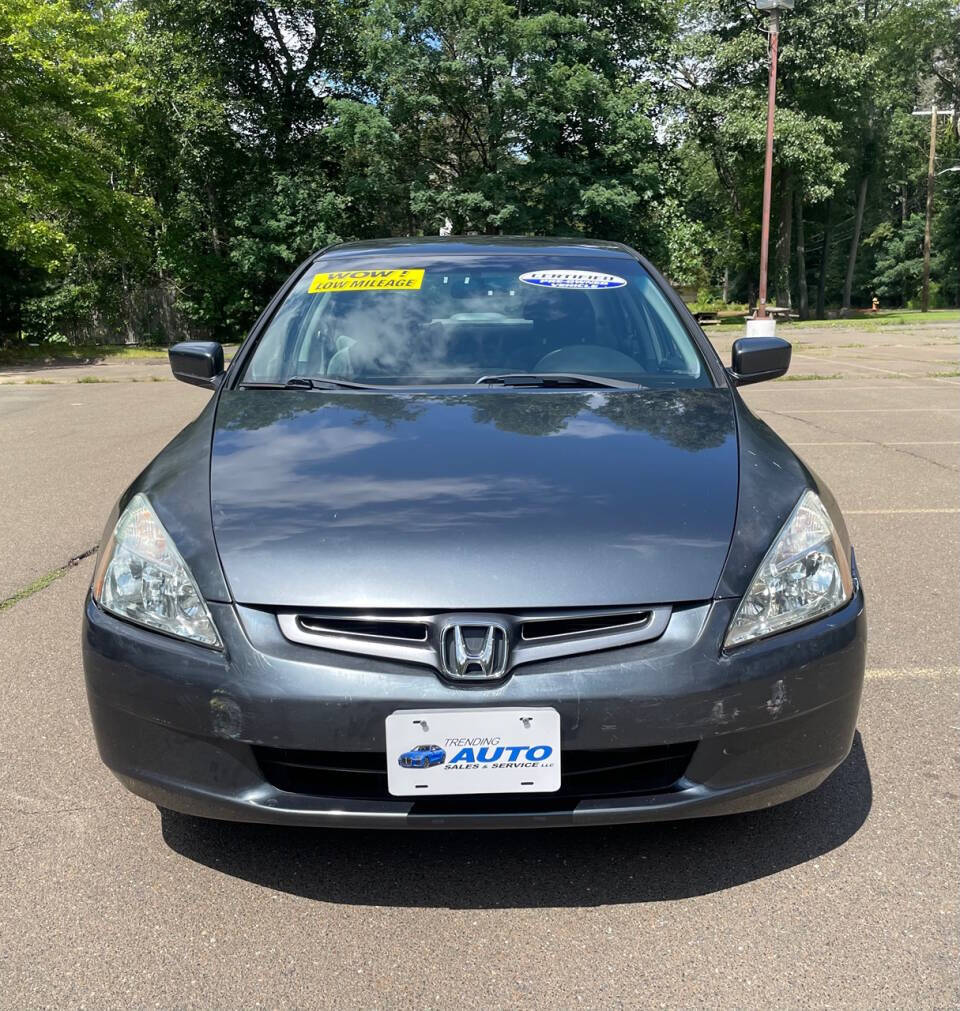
(474, 533)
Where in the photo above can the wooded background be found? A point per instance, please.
(165, 163)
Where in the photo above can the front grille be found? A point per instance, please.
(378, 628)
(360, 775)
(550, 628)
(525, 637)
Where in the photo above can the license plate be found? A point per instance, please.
(458, 751)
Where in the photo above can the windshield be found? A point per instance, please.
(433, 321)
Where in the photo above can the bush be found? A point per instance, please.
(938, 298)
(707, 304)
(59, 316)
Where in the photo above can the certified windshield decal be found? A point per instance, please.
(572, 280)
(367, 280)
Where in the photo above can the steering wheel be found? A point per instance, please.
(587, 358)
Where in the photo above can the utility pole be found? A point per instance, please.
(925, 296)
(933, 112)
(772, 8)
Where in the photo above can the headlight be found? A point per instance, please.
(140, 576)
(805, 575)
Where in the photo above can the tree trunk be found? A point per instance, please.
(801, 261)
(824, 263)
(214, 231)
(130, 330)
(784, 239)
(726, 285)
(854, 244)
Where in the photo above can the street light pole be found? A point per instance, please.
(768, 165)
(772, 8)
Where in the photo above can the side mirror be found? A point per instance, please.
(199, 363)
(756, 359)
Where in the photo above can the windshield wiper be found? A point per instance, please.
(550, 379)
(308, 383)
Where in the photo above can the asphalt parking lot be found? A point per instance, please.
(845, 898)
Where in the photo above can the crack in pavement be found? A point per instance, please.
(867, 442)
(42, 582)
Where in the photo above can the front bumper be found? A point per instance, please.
(180, 725)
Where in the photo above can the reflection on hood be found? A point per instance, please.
(492, 499)
(688, 419)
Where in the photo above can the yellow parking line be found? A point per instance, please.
(895, 512)
(862, 410)
(926, 442)
(889, 673)
(834, 386)
(853, 365)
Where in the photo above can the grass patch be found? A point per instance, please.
(65, 354)
(93, 379)
(35, 587)
(879, 320)
(868, 321)
(39, 382)
(808, 377)
(54, 355)
(951, 374)
(44, 581)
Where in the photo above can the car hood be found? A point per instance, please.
(494, 500)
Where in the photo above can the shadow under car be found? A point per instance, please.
(499, 869)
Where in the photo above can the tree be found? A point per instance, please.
(68, 92)
(848, 76)
(513, 117)
(946, 231)
(898, 260)
(246, 182)
(184, 155)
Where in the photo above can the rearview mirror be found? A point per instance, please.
(199, 363)
(755, 359)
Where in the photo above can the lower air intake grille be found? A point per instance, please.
(357, 775)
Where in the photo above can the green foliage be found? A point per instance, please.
(68, 94)
(54, 316)
(849, 78)
(499, 117)
(946, 223)
(186, 154)
(898, 262)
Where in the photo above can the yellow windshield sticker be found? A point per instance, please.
(367, 280)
